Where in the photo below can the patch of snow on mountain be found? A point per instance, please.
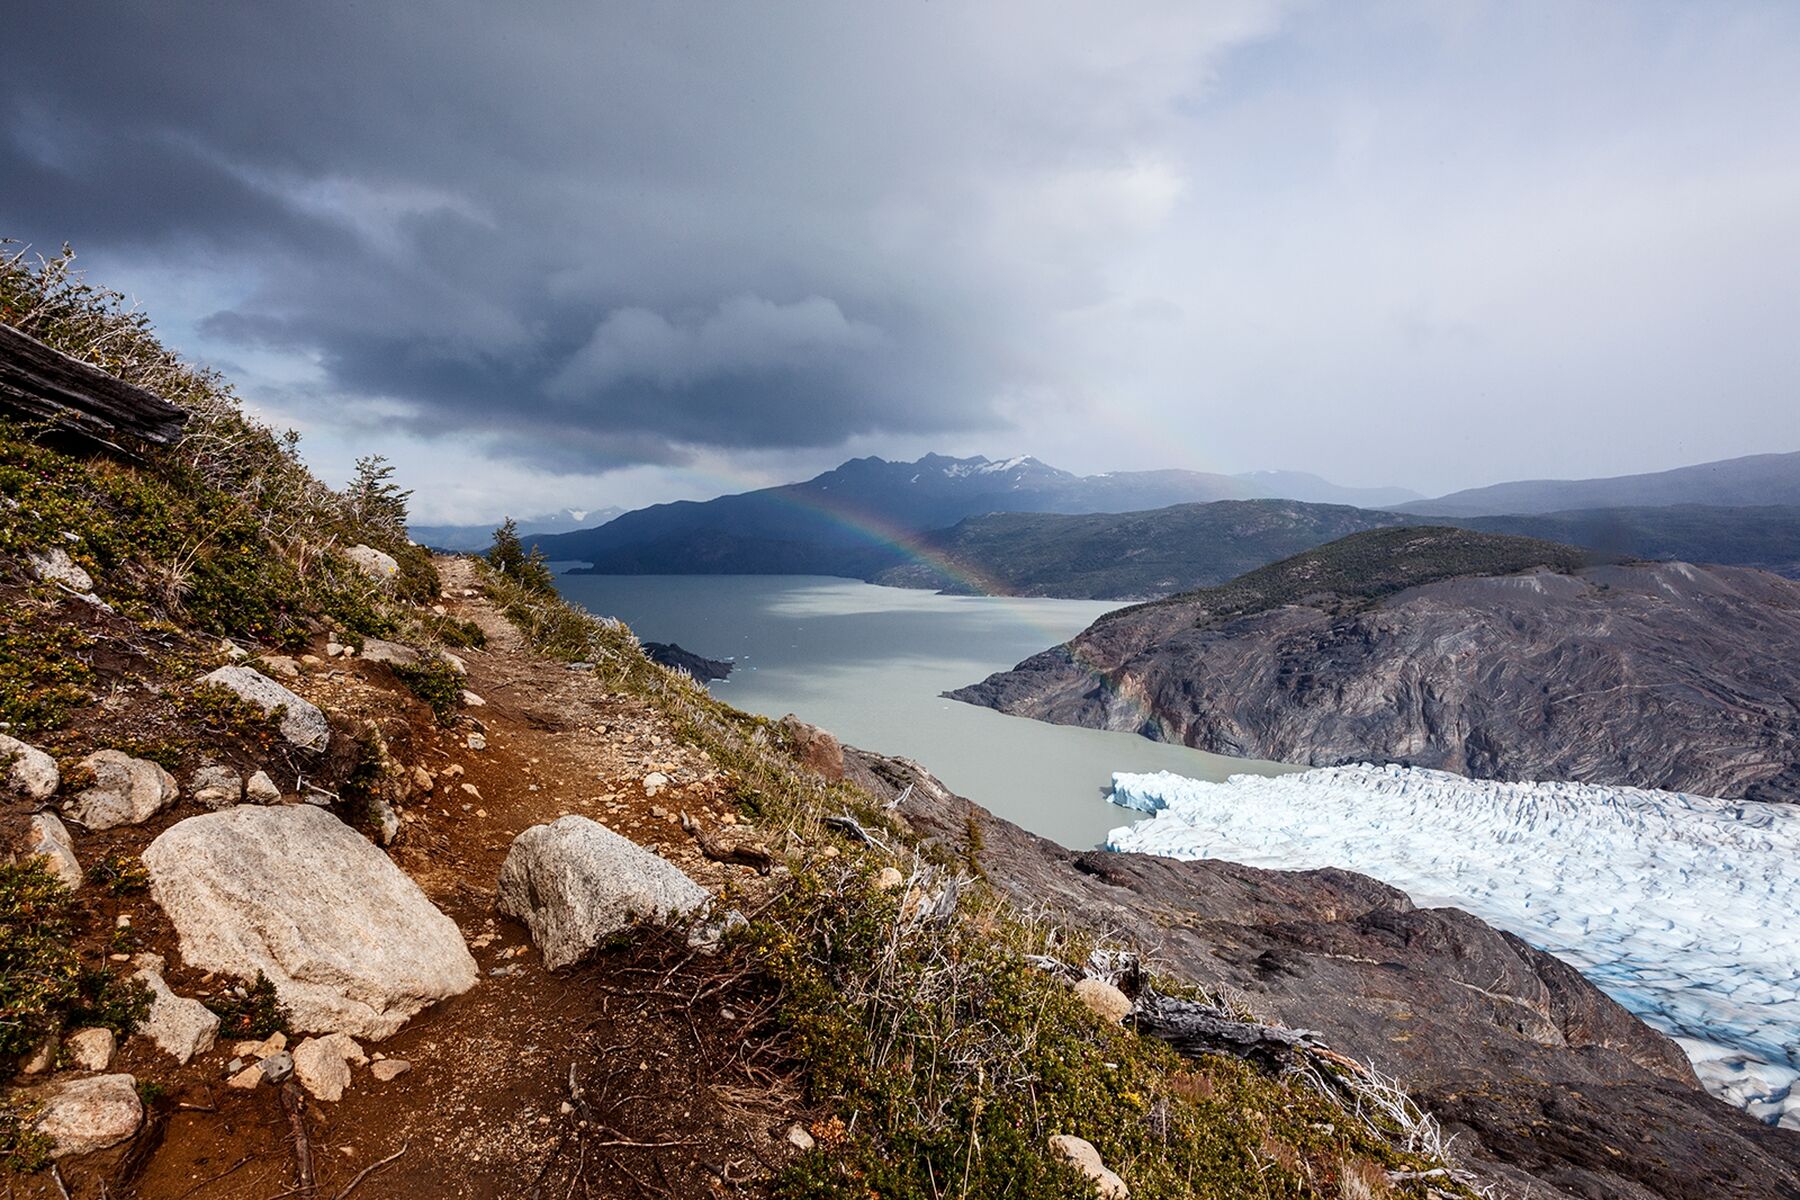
(1682, 908)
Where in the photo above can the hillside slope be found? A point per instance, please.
(1487, 655)
(1754, 479)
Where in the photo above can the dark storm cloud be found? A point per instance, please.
(594, 234)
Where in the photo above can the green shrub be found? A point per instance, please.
(120, 873)
(437, 683)
(250, 1013)
(22, 1148)
(40, 973)
(43, 674)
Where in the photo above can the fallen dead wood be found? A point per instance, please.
(1194, 1028)
(45, 384)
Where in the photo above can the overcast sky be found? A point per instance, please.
(552, 254)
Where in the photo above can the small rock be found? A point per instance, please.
(278, 1068)
(232, 651)
(471, 700)
(80, 1116)
(1107, 1001)
(1080, 1154)
(181, 1026)
(279, 664)
(390, 1069)
(55, 566)
(422, 779)
(247, 1078)
(799, 1139)
(126, 790)
(333, 649)
(91, 1049)
(455, 661)
(385, 820)
(41, 1057)
(581, 666)
(654, 783)
(322, 1064)
(27, 771)
(477, 742)
(262, 790)
(311, 661)
(46, 837)
(888, 879)
(380, 567)
(438, 610)
(216, 787)
(302, 724)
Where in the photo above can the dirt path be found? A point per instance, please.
(667, 1101)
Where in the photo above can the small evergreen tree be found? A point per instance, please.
(376, 502)
(508, 556)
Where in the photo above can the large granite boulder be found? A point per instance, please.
(26, 771)
(376, 564)
(301, 724)
(350, 943)
(575, 883)
(80, 1116)
(126, 791)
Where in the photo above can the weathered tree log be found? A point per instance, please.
(46, 384)
(1194, 1029)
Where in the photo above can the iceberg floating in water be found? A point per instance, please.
(1682, 908)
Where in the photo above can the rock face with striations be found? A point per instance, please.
(351, 944)
(1537, 1072)
(1378, 649)
(575, 883)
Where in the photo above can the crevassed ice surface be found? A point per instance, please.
(1684, 909)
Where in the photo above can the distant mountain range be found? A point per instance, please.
(1141, 555)
(1757, 479)
(860, 518)
(465, 538)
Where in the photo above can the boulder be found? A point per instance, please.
(302, 724)
(181, 1026)
(815, 749)
(575, 883)
(392, 653)
(260, 789)
(279, 664)
(1108, 1002)
(1080, 1154)
(44, 836)
(380, 567)
(91, 1049)
(55, 566)
(27, 771)
(322, 1065)
(216, 787)
(126, 791)
(350, 943)
(80, 1116)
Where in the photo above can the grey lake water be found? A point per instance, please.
(869, 663)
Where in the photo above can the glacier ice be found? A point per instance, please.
(1680, 907)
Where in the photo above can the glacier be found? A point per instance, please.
(1685, 909)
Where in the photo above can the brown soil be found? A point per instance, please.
(647, 1071)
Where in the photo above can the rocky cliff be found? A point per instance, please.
(1442, 648)
(1546, 1082)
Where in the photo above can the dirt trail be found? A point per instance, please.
(670, 1101)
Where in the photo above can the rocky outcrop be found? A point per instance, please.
(575, 883)
(1538, 1072)
(27, 771)
(302, 723)
(816, 750)
(1663, 676)
(350, 943)
(702, 670)
(80, 1116)
(125, 791)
